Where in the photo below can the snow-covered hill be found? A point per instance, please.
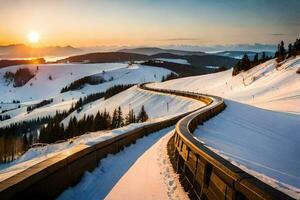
(158, 106)
(259, 129)
(263, 86)
(41, 88)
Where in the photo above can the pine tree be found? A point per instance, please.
(114, 122)
(107, 120)
(290, 50)
(120, 119)
(73, 127)
(236, 68)
(255, 60)
(143, 116)
(263, 58)
(282, 49)
(97, 124)
(130, 118)
(281, 52)
(245, 63)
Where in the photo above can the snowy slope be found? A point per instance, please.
(154, 105)
(43, 88)
(263, 142)
(266, 142)
(157, 105)
(271, 88)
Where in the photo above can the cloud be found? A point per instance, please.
(182, 39)
(277, 34)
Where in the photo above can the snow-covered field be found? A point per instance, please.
(41, 88)
(259, 129)
(140, 171)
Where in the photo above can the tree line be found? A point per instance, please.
(281, 54)
(4, 117)
(245, 63)
(170, 76)
(55, 130)
(78, 84)
(15, 137)
(20, 78)
(116, 89)
(293, 50)
(38, 105)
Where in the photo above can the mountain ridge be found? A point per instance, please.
(25, 51)
(155, 50)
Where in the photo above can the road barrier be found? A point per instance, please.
(205, 174)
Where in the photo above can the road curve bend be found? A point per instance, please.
(205, 174)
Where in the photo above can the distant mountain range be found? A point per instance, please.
(154, 50)
(240, 54)
(151, 51)
(19, 51)
(24, 51)
(198, 63)
(257, 47)
(105, 57)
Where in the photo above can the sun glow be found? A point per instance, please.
(33, 37)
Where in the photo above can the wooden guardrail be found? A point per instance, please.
(47, 179)
(208, 175)
(205, 174)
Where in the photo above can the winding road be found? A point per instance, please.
(204, 174)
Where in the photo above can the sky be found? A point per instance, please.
(84, 23)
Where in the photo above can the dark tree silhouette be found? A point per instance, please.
(143, 116)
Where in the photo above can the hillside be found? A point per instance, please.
(201, 61)
(62, 75)
(264, 86)
(133, 98)
(258, 131)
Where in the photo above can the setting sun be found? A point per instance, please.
(33, 37)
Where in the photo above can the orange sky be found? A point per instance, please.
(149, 22)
